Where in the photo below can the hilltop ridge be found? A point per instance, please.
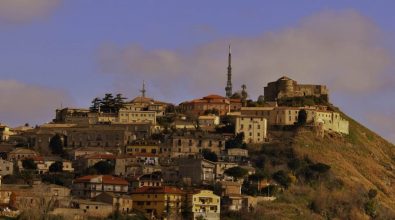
(361, 163)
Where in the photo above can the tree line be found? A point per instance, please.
(108, 104)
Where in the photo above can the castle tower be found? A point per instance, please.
(228, 87)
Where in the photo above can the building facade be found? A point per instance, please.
(253, 127)
(158, 202)
(93, 185)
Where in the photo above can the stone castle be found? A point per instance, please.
(286, 88)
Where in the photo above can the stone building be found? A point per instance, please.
(286, 87)
(191, 144)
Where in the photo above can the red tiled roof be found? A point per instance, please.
(106, 179)
(157, 190)
(100, 156)
(213, 96)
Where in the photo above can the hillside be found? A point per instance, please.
(361, 164)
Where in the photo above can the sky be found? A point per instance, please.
(58, 53)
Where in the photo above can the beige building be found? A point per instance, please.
(6, 167)
(208, 120)
(121, 203)
(142, 103)
(193, 144)
(21, 154)
(197, 171)
(331, 121)
(253, 127)
(5, 132)
(92, 185)
(130, 116)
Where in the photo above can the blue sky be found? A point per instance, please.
(57, 52)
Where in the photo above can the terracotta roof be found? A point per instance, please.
(213, 96)
(142, 99)
(100, 156)
(23, 151)
(106, 179)
(157, 190)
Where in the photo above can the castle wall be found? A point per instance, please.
(285, 87)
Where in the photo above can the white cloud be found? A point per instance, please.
(20, 11)
(21, 103)
(341, 49)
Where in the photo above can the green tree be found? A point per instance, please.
(119, 102)
(56, 144)
(236, 142)
(56, 167)
(104, 167)
(96, 104)
(261, 100)
(107, 103)
(209, 155)
(236, 172)
(29, 164)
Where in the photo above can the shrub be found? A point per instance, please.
(282, 178)
(29, 164)
(236, 172)
(104, 167)
(209, 155)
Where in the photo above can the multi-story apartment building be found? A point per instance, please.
(203, 204)
(142, 146)
(159, 202)
(92, 185)
(184, 145)
(253, 127)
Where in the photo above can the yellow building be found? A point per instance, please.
(160, 202)
(139, 147)
(204, 204)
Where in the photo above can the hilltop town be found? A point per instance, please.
(205, 158)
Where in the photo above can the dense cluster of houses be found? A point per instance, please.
(167, 162)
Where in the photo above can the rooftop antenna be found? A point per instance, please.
(143, 90)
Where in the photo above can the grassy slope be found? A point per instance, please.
(361, 161)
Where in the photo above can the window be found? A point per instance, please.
(190, 143)
(179, 142)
